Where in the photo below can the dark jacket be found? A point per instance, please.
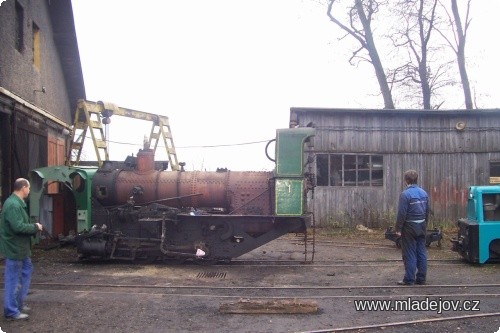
(16, 231)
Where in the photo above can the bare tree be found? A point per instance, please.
(360, 16)
(458, 46)
(419, 18)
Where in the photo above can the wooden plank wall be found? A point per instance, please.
(448, 160)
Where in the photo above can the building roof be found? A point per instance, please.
(63, 25)
(450, 112)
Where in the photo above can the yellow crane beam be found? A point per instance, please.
(90, 117)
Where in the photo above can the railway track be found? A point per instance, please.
(290, 263)
(408, 323)
(209, 293)
(333, 263)
(335, 280)
(269, 292)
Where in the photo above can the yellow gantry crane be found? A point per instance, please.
(90, 117)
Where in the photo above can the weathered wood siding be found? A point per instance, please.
(448, 160)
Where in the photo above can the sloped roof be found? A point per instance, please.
(402, 112)
(63, 25)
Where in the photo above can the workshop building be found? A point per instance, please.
(361, 155)
(40, 82)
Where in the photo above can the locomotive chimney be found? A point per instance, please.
(145, 161)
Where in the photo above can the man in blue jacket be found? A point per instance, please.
(411, 225)
(16, 234)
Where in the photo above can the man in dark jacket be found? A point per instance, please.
(16, 233)
(411, 225)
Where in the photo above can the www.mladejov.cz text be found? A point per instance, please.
(439, 305)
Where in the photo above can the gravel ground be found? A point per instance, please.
(66, 296)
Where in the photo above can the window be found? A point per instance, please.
(494, 172)
(36, 46)
(349, 170)
(19, 27)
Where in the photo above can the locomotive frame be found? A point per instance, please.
(137, 212)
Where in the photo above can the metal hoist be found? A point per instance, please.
(90, 118)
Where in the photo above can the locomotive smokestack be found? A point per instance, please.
(145, 161)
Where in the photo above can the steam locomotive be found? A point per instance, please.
(139, 211)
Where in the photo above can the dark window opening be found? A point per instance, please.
(491, 207)
(19, 27)
(494, 172)
(349, 170)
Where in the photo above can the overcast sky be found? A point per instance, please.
(227, 71)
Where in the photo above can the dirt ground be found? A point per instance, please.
(72, 296)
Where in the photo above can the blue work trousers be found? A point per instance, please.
(414, 252)
(17, 279)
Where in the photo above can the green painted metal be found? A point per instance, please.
(290, 151)
(478, 210)
(289, 200)
(78, 179)
(289, 172)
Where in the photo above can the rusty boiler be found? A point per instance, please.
(230, 192)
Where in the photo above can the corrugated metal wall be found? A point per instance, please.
(448, 160)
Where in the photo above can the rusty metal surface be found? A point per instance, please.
(197, 189)
(234, 192)
(251, 192)
(145, 161)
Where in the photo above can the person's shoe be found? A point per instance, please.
(404, 283)
(19, 316)
(25, 308)
(420, 282)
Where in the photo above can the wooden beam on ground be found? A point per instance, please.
(276, 306)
